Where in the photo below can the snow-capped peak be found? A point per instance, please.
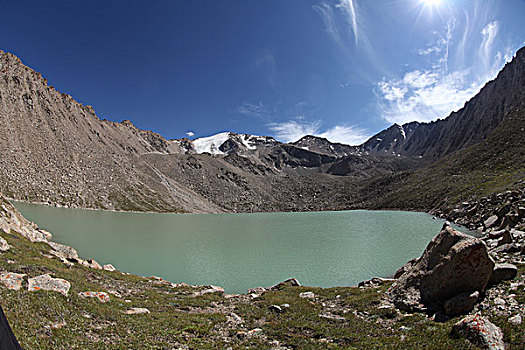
(211, 144)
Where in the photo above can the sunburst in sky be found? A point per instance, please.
(343, 69)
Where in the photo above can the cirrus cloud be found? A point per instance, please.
(293, 130)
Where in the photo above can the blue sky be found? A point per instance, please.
(342, 69)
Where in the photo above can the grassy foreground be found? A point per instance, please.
(347, 318)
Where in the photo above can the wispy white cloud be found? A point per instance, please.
(190, 133)
(266, 64)
(293, 130)
(346, 24)
(254, 110)
(349, 135)
(434, 92)
(327, 15)
(348, 7)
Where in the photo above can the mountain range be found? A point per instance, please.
(55, 150)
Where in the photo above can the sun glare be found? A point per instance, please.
(431, 3)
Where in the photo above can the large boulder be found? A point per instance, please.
(46, 282)
(453, 263)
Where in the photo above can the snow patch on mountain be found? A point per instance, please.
(211, 144)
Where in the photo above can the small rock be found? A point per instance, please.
(3, 245)
(502, 272)
(506, 248)
(275, 308)
(329, 316)
(256, 290)
(235, 318)
(211, 289)
(499, 301)
(92, 264)
(12, 280)
(100, 296)
(46, 282)
(137, 310)
(460, 304)
(481, 332)
(285, 306)
(515, 320)
(292, 282)
(86, 316)
(58, 325)
(63, 251)
(491, 221)
(109, 267)
(308, 295)
(506, 238)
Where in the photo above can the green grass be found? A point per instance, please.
(178, 317)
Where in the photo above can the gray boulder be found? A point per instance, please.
(480, 332)
(453, 263)
(502, 272)
(46, 282)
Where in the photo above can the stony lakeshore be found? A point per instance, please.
(462, 293)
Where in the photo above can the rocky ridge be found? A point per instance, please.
(57, 151)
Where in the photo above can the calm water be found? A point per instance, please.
(241, 251)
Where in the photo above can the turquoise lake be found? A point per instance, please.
(241, 251)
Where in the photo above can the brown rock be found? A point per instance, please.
(453, 263)
(506, 238)
(461, 304)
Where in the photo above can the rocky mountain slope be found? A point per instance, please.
(470, 125)
(58, 151)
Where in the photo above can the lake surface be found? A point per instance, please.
(241, 251)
